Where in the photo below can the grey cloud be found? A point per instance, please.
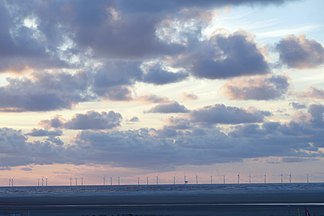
(115, 73)
(317, 113)
(225, 56)
(294, 159)
(45, 92)
(281, 140)
(55, 141)
(221, 114)
(159, 76)
(297, 105)
(300, 52)
(171, 147)
(314, 93)
(22, 47)
(56, 122)
(94, 121)
(147, 6)
(122, 29)
(172, 107)
(260, 88)
(17, 151)
(134, 119)
(113, 79)
(150, 148)
(118, 93)
(54, 91)
(155, 99)
(42, 133)
(118, 34)
(89, 121)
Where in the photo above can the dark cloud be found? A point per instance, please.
(317, 114)
(42, 133)
(297, 105)
(55, 140)
(259, 88)
(225, 56)
(221, 114)
(113, 29)
(22, 47)
(44, 92)
(154, 99)
(172, 107)
(172, 146)
(147, 148)
(117, 34)
(134, 119)
(17, 151)
(300, 52)
(115, 73)
(54, 91)
(118, 93)
(94, 121)
(147, 6)
(90, 121)
(56, 122)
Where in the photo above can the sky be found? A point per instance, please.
(141, 88)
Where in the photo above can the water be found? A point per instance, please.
(219, 188)
(154, 200)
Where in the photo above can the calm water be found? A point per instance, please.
(226, 188)
(176, 200)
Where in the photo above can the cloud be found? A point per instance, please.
(221, 114)
(59, 31)
(315, 93)
(22, 47)
(42, 133)
(134, 119)
(258, 88)
(317, 114)
(154, 99)
(115, 73)
(149, 148)
(118, 93)
(172, 107)
(94, 121)
(89, 121)
(172, 146)
(190, 96)
(56, 122)
(225, 56)
(160, 76)
(44, 92)
(147, 6)
(300, 52)
(55, 91)
(297, 105)
(17, 151)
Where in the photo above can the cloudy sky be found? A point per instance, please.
(176, 87)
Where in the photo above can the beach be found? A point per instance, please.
(170, 200)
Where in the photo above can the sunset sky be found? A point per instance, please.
(137, 88)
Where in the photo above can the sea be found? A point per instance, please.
(294, 199)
